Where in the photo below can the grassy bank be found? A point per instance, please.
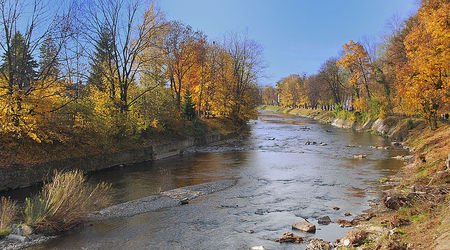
(418, 216)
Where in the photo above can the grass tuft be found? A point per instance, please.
(65, 202)
(8, 211)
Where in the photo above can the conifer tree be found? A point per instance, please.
(49, 63)
(102, 59)
(188, 106)
(18, 66)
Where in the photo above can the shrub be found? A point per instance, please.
(65, 202)
(8, 211)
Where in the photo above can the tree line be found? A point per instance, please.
(116, 68)
(406, 73)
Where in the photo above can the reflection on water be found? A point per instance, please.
(140, 180)
(282, 179)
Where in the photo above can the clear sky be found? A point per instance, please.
(297, 35)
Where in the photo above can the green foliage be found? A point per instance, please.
(18, 63)
(4, 232)
(410, 124)
(34, 210)
(188, 106)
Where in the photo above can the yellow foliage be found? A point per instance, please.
(23, 111)
(356, 60)
(423, 82)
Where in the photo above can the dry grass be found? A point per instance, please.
(65, 202)
(8, 211)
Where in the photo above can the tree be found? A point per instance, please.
(246, 67)
(130, 38)
(331, 74)
(102, 61)
(291, 90)
(49, 63)
(356, 60)
(179, 48)
(269, 95)
(18, 65)
(27, 96)
(188, 106)
(423, 80)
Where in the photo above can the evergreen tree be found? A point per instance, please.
(49, 63)
(188, 106)
(18, 65)
(102, 57)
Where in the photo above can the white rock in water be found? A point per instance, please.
(304, 226)
(346, 242)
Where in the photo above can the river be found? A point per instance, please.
(281, 180)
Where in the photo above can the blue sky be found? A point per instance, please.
(297, 36)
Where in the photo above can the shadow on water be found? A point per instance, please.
(282, 179)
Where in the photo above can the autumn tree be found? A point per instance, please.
(28, 95)
(269, 95)
(291, 90)
(423, 80)
(356, 60)
(331, 76)
(246, 67)
(180, 55)
(131, 34)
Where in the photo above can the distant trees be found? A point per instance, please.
(270, 96)
(407, 73)
(291, 90)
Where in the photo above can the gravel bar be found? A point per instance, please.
(166, 199)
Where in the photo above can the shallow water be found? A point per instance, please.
(281, 181)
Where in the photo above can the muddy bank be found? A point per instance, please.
(23, 176)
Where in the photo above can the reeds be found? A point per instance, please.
(8, 211)
(65, 202)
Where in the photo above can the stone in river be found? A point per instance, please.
(290, 237)
(304, 226)
(325, 220)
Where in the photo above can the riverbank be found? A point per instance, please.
(415, 211)
(21, 176)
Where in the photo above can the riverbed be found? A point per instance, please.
(288, 169)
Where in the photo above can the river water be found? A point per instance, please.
(281, 180)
